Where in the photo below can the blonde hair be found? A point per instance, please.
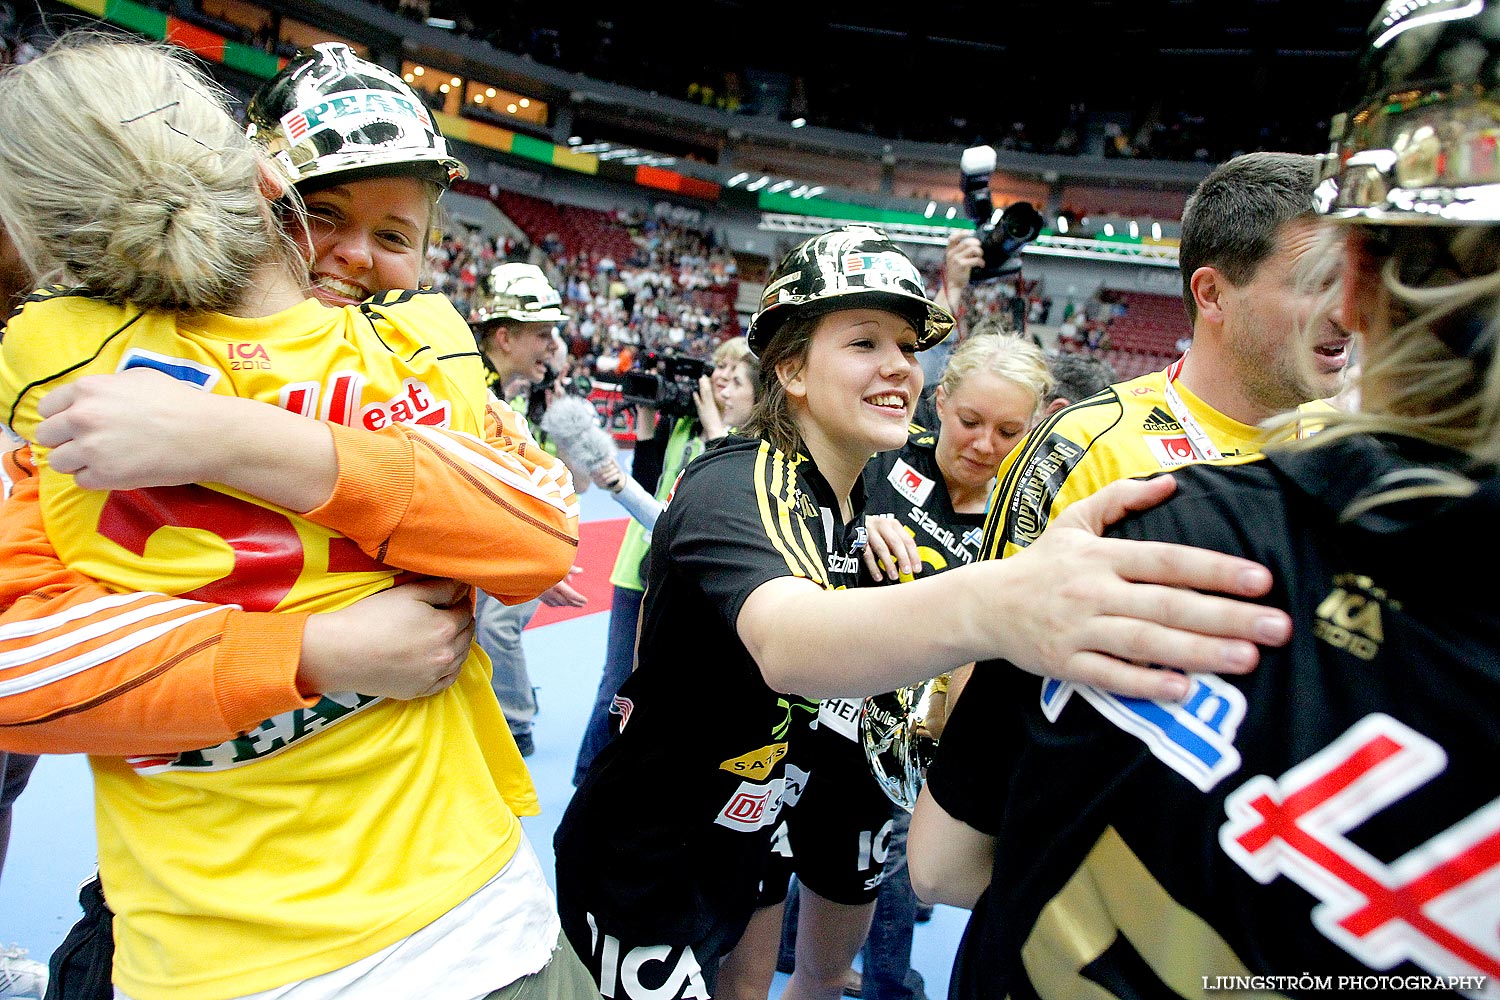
(1412, 383)
(121, 170)
(1007, 357)
(731, 352)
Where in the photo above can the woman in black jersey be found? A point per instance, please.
(846, 842)
(747, 617)
(1329, 823)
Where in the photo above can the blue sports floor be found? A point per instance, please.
(52, 841)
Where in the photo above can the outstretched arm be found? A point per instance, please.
(1072, 605)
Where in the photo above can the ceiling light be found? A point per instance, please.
(757, 185)
(931, 207)
(952, 211)
(1156, 230)
(1062, 224)
(1109, 229)
(780, 186)
(738, 178)
(798, 122)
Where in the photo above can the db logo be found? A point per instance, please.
(747, 808)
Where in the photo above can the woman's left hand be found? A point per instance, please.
(889, 549)
(708, 410)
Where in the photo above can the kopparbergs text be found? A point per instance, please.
(1307, 981)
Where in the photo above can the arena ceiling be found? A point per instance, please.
(984, 61)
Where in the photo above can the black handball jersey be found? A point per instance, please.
(668, 835)
(909, 484)
(1326, 821)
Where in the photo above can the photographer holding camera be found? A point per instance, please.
(990, 252)
(673, 425)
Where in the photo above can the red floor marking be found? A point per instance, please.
(598, 544)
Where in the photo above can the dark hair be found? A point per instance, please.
(772, 416)
(1232, 221)
(1078, 376)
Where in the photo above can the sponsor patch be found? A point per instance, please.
(841, 715)
(1435, 906)
(755, 805)
(756, 763)
(1170, 451)
(1194, 737)
(910, 483)
(1031, 503)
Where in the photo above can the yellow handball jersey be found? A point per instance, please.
(1127, 430)
(329, 832)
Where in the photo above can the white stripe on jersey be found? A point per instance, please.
(35, 626)
(553, 485)
(77, 665)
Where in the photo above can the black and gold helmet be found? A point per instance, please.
(330, 114)
(1420, 141)
(852, 267)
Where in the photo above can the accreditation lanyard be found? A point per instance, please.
(1203, 447)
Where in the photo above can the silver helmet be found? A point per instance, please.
(849, 268)
(519, 293)
(1420, 141)
(330, 114)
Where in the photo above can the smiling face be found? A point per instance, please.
(367, 237)
(855, 390)
(981, 420)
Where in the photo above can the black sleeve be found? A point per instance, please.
(650, 454)
(736, 526)
(979, 745)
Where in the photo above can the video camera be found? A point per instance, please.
(1001, 234)
(665, 381)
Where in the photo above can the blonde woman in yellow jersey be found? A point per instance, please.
(361, 845)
